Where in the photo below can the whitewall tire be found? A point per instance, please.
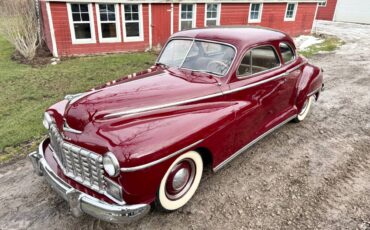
(180, 181)
(305, 109)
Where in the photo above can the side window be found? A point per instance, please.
(257, 60)
(287, 52)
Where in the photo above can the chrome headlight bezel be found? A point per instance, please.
(111, 164)
(47, 120)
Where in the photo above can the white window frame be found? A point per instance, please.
(323, 4)
(117, 22)
(294, 12)
(218, 17)
(259, 19)
(193, 18)
(139, 38)
(72, 29)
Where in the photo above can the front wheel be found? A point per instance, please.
(180, 181)
(305, 109)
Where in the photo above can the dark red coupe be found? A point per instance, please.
(143, 140)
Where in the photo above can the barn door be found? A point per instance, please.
(161, 23)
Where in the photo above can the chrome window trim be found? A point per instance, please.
(147, 109)
(150, 164)
(241, 77)
(294, 53)
(250, 144)
(201, 40)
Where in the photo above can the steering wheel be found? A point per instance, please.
(217, 64)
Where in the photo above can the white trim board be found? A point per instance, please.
(52, 32)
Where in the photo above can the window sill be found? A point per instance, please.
(254, 21)
(83, 41)
(289, 19)
(110, 40)
(133, 39)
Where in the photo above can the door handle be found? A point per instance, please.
(286, 74)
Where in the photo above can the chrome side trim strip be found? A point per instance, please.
(250, 144)
(136, 168)
(146, 109)
(149, 108)
(67, 128)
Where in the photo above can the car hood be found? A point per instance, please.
(158, 88)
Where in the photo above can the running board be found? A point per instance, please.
(250, 144)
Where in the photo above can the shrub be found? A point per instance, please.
(19, 24)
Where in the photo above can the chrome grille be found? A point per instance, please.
(77, 163)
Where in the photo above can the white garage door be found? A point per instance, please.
(353, 11)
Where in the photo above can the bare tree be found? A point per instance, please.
(19, 25)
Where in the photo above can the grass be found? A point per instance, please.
(27, 91)
(329, 44)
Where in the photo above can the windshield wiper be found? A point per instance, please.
(211, 74)
(163, 65)
(205, 71)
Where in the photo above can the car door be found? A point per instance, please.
(292, 73)
(257, 90)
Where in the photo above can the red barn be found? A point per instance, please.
(326, 10)
(81, 27)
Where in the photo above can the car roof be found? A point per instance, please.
(239, 36)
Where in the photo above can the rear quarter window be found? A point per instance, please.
(287, 52)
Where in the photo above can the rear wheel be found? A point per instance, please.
(305, 109)
(180, 181)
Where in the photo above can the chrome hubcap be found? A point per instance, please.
(180, 179)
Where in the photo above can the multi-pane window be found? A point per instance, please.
(109, 22)
(82, 29)
(286, 52)
(255, 12)
(133, 22)
(187, 19)
(322, 3)
(291, 10)
(212, 14)
(258, 60)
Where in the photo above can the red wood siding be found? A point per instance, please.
(273, 17)
(200, 15)
(234, 14)
(46, 26)
(327, 12)
(231, 14)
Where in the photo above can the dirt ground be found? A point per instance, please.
(312, 175)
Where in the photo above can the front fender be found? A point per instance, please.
(153, 137)
(309, 83)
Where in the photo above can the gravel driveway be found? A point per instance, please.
(315, 174)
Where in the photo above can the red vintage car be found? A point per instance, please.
(143, 140)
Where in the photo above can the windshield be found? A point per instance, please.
(202, 56)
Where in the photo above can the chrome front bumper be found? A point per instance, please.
(80, 202)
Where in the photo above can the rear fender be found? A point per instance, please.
(308, 84)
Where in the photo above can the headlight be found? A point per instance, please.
(47, 120)
(111, 165)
